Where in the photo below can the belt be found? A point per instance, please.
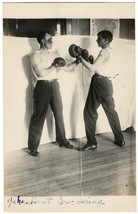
(113, 77)
(49, 80)
(110, 77)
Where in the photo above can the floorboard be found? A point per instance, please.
(109, 170)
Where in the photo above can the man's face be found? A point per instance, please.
(48, 41)
(101, 41)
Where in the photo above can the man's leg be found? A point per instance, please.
(90, 117)
(36, 125)
(57, 108)
(109, 108)
(42, 94)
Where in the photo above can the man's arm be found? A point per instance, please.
(102, 57)
(71, 66)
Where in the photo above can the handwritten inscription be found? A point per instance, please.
(88, 201)
(31, 201)
(50, 201)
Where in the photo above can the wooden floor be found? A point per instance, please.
(109, 170)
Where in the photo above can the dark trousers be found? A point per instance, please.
(45, 94)
(100, 92)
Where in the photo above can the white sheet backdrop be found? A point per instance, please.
(74, 86)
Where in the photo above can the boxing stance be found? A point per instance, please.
(45, 65)
(100, 92)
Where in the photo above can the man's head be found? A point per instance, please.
(45, 40)
(104, 38)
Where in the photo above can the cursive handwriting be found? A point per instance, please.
(89, 201)
(30, 201)
(49, 200)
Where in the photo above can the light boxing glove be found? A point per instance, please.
(59, 62)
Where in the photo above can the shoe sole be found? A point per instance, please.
(120, 145)
(68, 147)
(89, 148)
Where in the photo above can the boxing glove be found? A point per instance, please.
(85, 55)
(78, 50)
(91, 59)
(59, 62)
(74, 50)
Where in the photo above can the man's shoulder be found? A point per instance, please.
(35, 54)
(105, 52)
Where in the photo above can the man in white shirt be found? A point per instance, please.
(101, 92)
(46, 92)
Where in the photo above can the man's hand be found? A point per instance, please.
(59, 62)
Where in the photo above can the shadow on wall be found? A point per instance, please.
(74, 113)
(29, 90)
(85, 43)
(90, 45)
(86, 76)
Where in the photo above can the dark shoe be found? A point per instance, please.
(120, 143)
(87, 147)
(67, 145)
(34, 153)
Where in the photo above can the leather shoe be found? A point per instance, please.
(120, 143)
(87, 147)
(67, 145)
(34, 153)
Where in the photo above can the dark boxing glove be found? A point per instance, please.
(59, 62)
(74, 50)
(85, 55)
(91, 59)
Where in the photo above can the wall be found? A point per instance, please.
(73, 84)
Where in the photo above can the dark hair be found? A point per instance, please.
(106, 35)
(41, 35)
